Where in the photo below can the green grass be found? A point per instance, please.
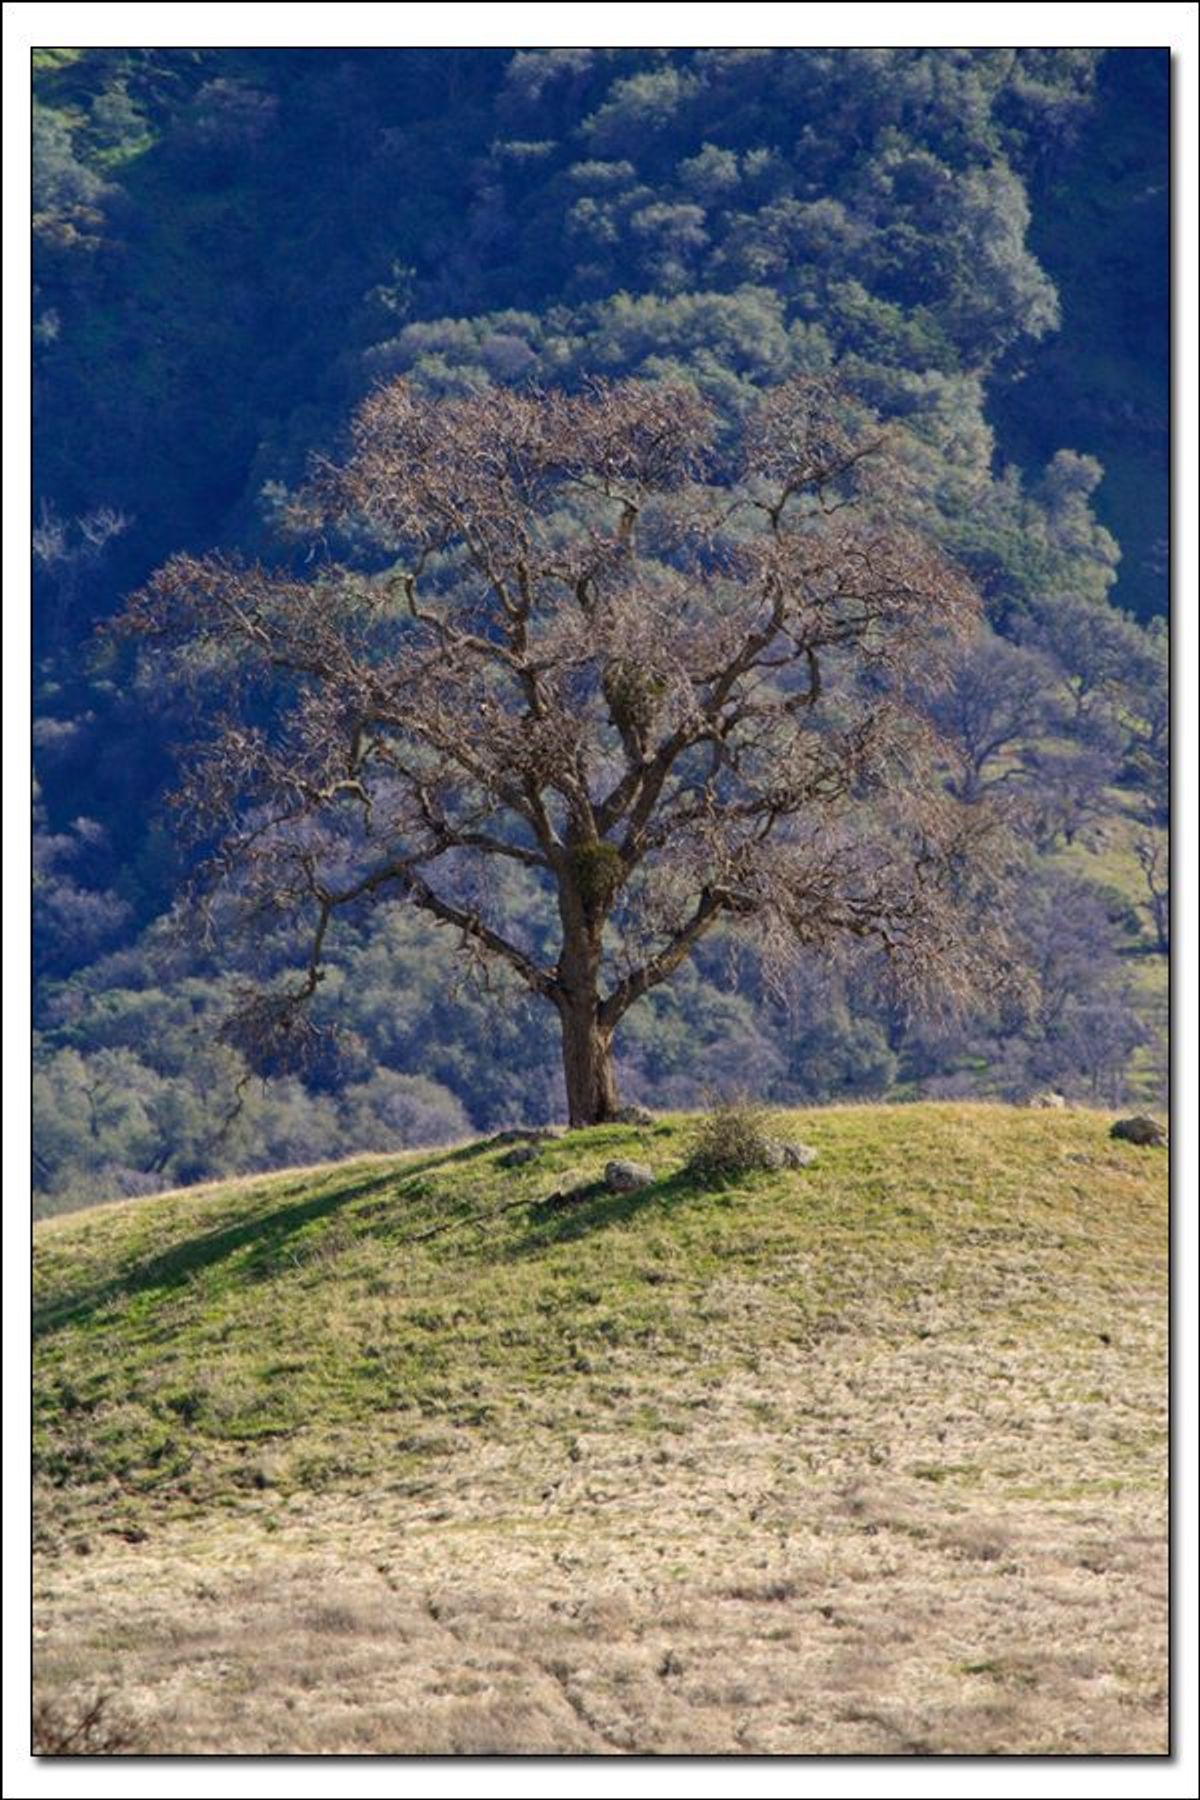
(302, 1332)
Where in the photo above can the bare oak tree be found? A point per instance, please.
(673, 681)
(1155, 863)
(998, 698)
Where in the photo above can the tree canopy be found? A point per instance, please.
(677, 678)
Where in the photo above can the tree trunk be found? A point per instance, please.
(587, 1064)
(585, 889)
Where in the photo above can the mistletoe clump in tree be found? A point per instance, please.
(679, 678)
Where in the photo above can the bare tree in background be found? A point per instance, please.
(996, 700)
(673, 682)
(1154, 861)
(67, 552)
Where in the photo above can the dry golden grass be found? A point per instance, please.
(888, 1477)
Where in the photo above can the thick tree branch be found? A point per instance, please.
(708, 909)
(542, 981)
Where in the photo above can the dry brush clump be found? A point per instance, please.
(734, 1139)
(63, 1726)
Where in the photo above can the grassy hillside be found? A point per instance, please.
(390, 1455)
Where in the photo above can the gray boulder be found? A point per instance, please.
(1140, 1129)
(1047, 1100)
(780, 1155)
(520, 1154)
(632, 1115)
(627, 1177)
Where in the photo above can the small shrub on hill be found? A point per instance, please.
(733, 1139)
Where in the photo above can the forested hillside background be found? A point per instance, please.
(231, 246)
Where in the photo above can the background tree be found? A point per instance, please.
(1154, 861)
(1074, 1026)
(1148, 751)
(1107, 660)
(670, 702)
(1068, 791)
(998, 698)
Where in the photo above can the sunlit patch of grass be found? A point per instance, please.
(179, 1334)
